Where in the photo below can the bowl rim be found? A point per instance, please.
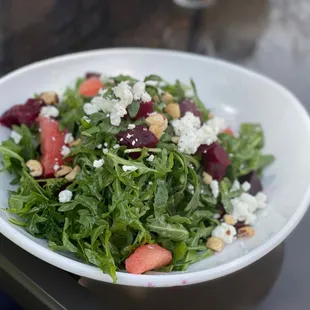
(172, 279)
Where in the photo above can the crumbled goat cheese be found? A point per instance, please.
(214, 185)
(116, 146)
(246, 205)
(98, 163)
(124, 93)
(99, 146)
(65, 150)
(65, 196)
(56, 167)
(86, 119)
(246, 186)
(105, 144)
(49, 111)
(235, 186)
(131, 126)
(217, 124)
(150, 158)
(90, 108)
(225, 232)
(105, 151)
(191, 134)
(129, 168)
(68, 138)
(190, 187)
(139, 92)
(15, 136)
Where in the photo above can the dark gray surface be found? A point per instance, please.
(271, 37)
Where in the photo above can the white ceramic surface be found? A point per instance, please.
(231, 91)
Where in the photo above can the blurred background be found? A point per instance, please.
(268, 36)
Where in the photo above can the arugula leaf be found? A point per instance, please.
(133, 109)
(174, 232)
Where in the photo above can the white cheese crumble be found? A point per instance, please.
(131, 126)
(217, 124)
(86, 119)
(105, 151)
(116, 146)
(99, 146)
(90, 108)
(56, 167)
(116, 108)
(49, 111)
(246, 186)
(214, 185)
(65, 150)
(105, 144)
(68, 138)
(191, 134)
(65, 196)
(245, 206)
(150, 158)
(227, 233)
(98, 163)
(129, 168)
(139, 92)
(235, 186)
(15, 136)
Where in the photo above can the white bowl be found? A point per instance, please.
(237, 94)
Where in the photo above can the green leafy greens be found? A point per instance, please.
(113, 211)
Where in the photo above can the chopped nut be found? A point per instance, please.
(215, 244)
(75, 142)
(230, 220)
(49, 97)
(246, 231)
(173, 109)
(175, 139)
(34, 167)
(158, 120)
(167, 97)
(207, 178)
(62, 171)
(211, 115)
(71, 176)
(157, 131)
(156, 98)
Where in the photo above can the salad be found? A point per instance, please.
(132, 175)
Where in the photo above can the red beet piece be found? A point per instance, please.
(146, 108)
(189, 106)
(138, 137)
(216, 161)
(203, 148)
(90, 75)
(22, 113)
(254, 180)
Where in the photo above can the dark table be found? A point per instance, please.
(271, 37)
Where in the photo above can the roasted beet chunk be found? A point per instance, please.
(22, 113)
(146, 108)
(216, 161)
(89, 75)
(138, 137)
(189, 106)
(253, 179)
